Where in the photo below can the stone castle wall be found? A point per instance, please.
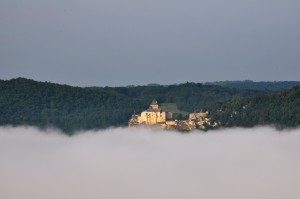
(152, 118)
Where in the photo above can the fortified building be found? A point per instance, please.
(152, 116)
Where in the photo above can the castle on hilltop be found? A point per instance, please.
(152, 116)
(155, 116)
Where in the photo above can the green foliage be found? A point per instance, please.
(172, 107)
(43, 104)
(27, 102)
(264, 86)
(281, 109)
(188, 96)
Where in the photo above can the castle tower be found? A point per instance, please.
(154, 115)
(154, 106)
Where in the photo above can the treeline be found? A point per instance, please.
(264, 85)
(281, 109)
(27, 102)
(44, 104)
(188, 96)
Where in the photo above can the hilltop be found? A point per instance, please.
(43, 104)
(262, 85)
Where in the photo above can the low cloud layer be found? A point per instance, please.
(258, 163)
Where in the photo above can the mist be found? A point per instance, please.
(134, 163)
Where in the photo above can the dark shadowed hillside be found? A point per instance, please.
(281, 109)
(27, 102)
(187, 96)
(43, 104)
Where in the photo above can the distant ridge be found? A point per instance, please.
(262, 85)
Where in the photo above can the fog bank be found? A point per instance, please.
(258, 163)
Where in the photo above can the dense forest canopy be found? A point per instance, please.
(27, 102)
(44, 104)
(281, 109)
(188, 96)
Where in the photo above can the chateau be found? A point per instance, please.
(154, 115)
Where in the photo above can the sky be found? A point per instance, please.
(128, 163)
(132, 42)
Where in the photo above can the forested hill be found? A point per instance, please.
(264, 85)
(188, 96)
(28, 102)
(281, 109)
(43, 104)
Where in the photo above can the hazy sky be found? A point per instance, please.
(122, 42)
(127, 163)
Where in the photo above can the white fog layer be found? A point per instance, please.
(258, 163)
